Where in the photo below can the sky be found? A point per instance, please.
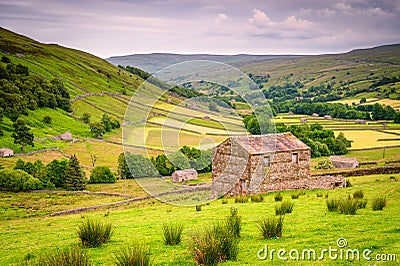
(120, 27)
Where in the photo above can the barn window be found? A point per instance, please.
(267, 161)
(295, 157)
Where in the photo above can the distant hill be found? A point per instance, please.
(156, 61)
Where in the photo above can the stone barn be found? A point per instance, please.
(6, 152)
(255, 163)
(184, 175)
(344, 162)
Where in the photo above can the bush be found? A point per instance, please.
(94, 233)
(198, 208)
(359, 194)
(332, 205)
(348, 206)
(136, 255)
(241, 199)
(320, 194)
(234, 222)
(257, 198)
(324, 164)
(47, 119)
(284, 207)
(378, 203)
(18, 180)
(172, 234)
(278, 197)
(224, 201)
(271, 227)
(71, 256)
(102, 174)
(213, 245)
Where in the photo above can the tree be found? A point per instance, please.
(97, 129)
(397, 118)
(75, 178)
(86, 118)
(21, 134)
(56, 171)
(102, 174)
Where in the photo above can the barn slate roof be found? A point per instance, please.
(260, 144)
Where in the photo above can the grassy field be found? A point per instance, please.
(308, 226)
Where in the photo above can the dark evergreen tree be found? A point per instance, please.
(75, 178)
(21, 134)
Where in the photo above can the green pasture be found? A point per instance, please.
(309, 226)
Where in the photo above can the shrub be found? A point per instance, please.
(332, 205)
(94, 233)
(295, 196)
(278, 197)
(71, 256)
(18, 180)
(172, 234)
(224, 201)
(378, 203)
(257, 198)
(137, 255)
(362, 203)
(359, 194)
(241, 199)
(198, 208)
(320, 194)
(284, 207)
(234, 222)
(348, 184)
(324, 164)
(271, 227)
(348, 206)
(102, 174)
(47, 119)
(213, 245)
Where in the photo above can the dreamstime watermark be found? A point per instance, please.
(158, 121)
(338, 252)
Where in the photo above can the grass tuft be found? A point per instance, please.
(172, 234)
(136, 255)
(224, 201)
(359, 194)
(94, 233)
(271, 227)
(278, 197)
(378, 203)
(332, 205)
(348, 206)
(234, 222)
(71, 256)
(213, 245)
(257, 198)
(241, 199)
(284, 207)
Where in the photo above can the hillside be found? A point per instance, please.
(95, 87)
(372, 74)
(156, 61)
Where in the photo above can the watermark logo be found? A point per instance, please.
(159, 121)
(339, 252)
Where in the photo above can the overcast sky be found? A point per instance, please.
(106, 28)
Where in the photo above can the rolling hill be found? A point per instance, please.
(96, 87)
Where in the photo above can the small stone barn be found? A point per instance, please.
(184, 175)
(6, 152)
(344, 162)
(252, 164)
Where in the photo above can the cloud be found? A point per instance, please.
(211, 26)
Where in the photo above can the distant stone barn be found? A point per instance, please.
(256, 163)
